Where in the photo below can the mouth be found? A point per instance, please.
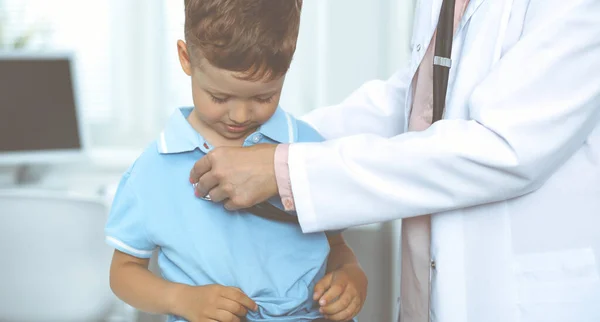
(236, 128)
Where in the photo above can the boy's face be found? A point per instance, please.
(225, 105)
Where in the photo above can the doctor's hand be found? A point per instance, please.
(241, 177)
(342, 293)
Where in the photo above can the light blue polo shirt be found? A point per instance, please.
(200, 243)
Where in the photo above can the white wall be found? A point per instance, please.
(342, 44)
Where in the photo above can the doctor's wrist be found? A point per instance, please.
(282, 176)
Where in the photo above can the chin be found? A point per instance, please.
(233, 136)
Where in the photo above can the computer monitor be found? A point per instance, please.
(40, 121)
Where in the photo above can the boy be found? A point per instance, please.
(218, 265)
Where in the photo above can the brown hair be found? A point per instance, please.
(254, 37)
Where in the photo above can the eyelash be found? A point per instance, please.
(264, 100)
(218, 100)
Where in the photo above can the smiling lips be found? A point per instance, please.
(236, 128)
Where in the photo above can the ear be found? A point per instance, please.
(184, 57)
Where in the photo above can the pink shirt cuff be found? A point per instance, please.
(282, 175)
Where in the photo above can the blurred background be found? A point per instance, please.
(95, 82)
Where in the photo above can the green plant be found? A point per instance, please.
(18, 41)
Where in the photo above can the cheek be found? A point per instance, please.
(264, 112)
(207, 109)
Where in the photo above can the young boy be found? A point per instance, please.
(218, 265)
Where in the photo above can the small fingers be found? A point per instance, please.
(232, 307)
(348, 313)
(332, 294)
(322, 286)
(225, 316)
(238, 296)
(339, 305)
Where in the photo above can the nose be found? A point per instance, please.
(240, 113)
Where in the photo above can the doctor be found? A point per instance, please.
(500, 200)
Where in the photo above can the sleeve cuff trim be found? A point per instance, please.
(133, 251)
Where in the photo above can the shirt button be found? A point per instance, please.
(419, 47)
(433, 264)
(256, 138)
(288, 203)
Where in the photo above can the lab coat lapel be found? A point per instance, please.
(471, 9)
(476, 50)
(426, 18)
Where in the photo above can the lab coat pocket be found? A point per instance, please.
(558, 286)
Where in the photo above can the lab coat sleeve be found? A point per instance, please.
(533, 111)
(377, 107)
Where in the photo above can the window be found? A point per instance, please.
(113, 42)
(55, 25)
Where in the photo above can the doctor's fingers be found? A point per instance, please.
(232, 205)
(218, 194)
(206, 183)
(202, 166)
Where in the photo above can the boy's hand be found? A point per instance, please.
(342, 293)
(212, 303)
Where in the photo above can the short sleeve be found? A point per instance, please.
(126, 226)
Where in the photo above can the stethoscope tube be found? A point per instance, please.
(267, 211)
(442, 58)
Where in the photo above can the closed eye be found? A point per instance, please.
(219, 100)
(264, 100)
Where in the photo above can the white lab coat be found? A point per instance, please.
(512, 173)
